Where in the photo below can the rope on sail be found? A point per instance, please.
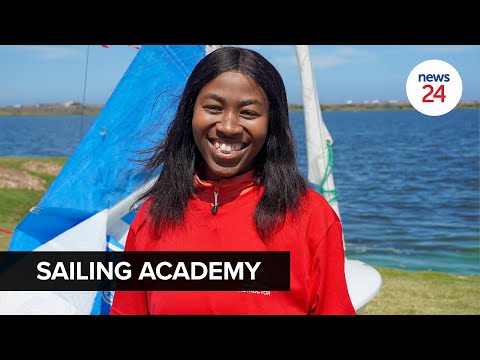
(84, 91)
(321, 189)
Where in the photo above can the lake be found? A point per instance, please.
(408, 184)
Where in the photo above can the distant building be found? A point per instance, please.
(68, 103)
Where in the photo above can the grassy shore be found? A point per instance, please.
(94, 109)
(425, 293)
(403, 292)
(51, 109)
(380, 106)
(15, 202)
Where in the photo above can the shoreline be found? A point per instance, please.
(95, 109)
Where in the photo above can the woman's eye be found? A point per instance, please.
(249, 113)
(213, 108)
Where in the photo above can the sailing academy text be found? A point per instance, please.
(195, 270)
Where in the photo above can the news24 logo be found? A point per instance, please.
(434, 87)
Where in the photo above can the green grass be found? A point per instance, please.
(15, 203)
(425, 293)
(16, 163)
(402, 292)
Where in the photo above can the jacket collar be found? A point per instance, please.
(227, 189)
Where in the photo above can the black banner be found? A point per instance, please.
(164, 271)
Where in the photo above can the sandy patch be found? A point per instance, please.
(13, 179)
(42, 167)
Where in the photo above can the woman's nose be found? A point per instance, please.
(229, 125)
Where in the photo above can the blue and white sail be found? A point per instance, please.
(85, 207)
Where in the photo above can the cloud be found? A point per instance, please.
(48, 52)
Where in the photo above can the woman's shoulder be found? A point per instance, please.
(314, 199)
(141, 215)
(318, 207)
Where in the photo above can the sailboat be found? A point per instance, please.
(88, 207)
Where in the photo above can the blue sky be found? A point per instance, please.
(31, 74)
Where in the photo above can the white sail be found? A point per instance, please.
(363, 281)
(89, 235)
(318, 139)
(210, 48)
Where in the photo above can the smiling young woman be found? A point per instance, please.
(230, 123)
(230, 182)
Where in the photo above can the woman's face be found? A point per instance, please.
(230, 122)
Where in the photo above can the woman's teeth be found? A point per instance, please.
(227, 149)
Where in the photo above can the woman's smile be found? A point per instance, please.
(228, 150)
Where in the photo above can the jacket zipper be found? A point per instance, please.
(215, 205)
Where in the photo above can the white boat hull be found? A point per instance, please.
(363, 282)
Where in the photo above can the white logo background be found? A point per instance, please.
(417, 94)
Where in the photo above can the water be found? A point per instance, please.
(408, 184)
(42, 135)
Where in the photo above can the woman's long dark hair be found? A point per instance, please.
(275, 165)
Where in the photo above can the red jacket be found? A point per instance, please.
(314, 240)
